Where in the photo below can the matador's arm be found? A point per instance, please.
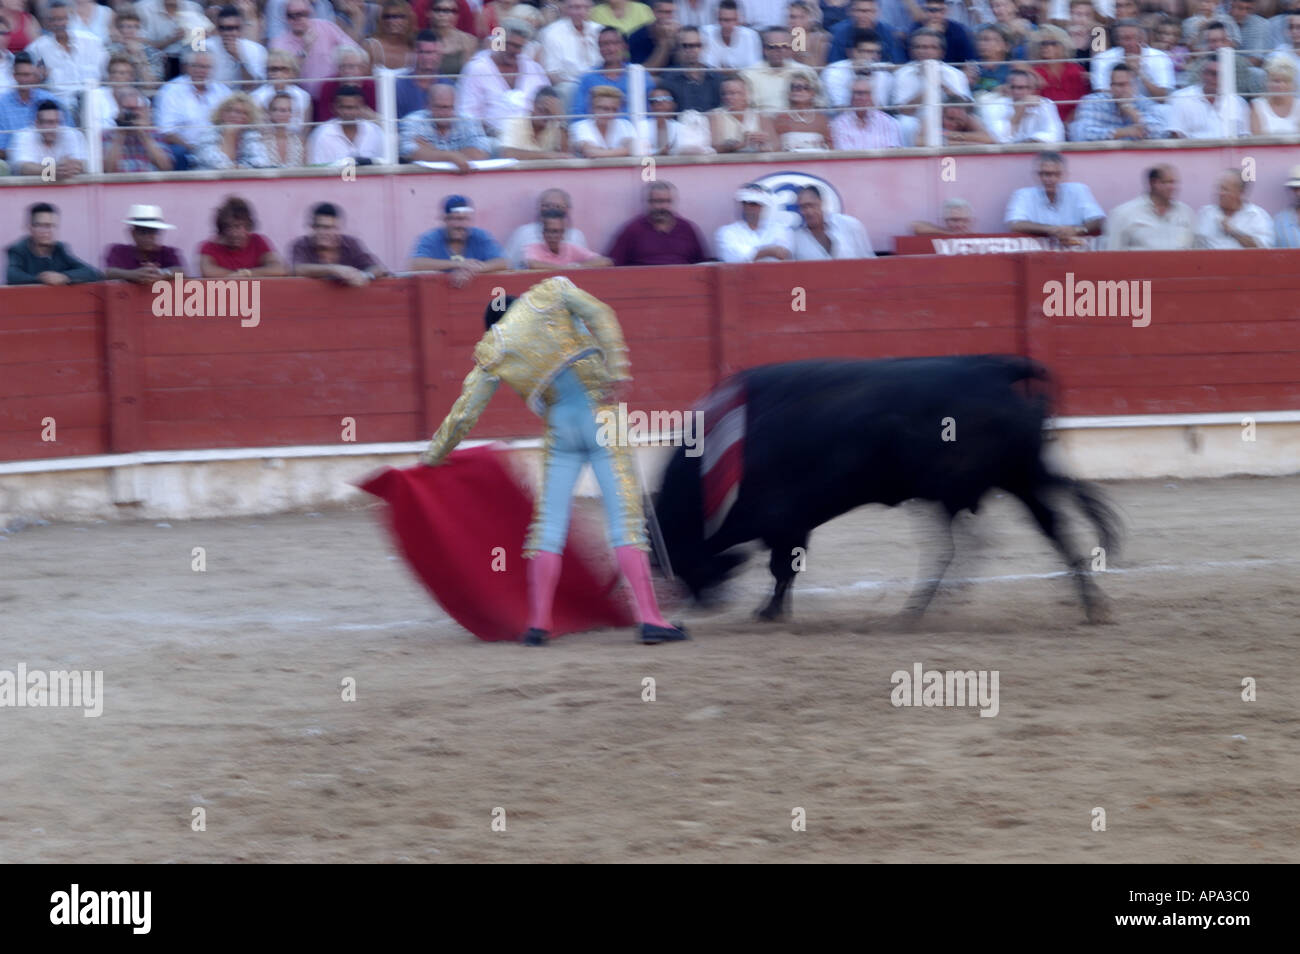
(599, 318)
(474, 396)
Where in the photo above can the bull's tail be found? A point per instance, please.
(1097, 508)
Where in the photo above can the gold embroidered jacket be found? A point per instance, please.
(552, 326)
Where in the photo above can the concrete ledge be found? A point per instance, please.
(180, 485)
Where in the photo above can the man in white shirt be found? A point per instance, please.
(173, 25)
(755, 236)
(767, 83)
(183, 107)
(1024, 117)
(570, 48)
(484, 94)
(71, 57)
(824, 236)
(696, 13)
(531, 232)
(727, 44)
(909, 86)
(1233, 222)
(1194, 111)
(1153, 70)
(1065, 211)
(1152, 222)
(48, 140)
(234, 58)
(866, 54)
(347, 135)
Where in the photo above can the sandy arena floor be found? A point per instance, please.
(222, 691)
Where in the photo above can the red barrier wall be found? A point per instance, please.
(1224, 336)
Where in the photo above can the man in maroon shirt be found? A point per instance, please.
(146, 259)
(659, 237)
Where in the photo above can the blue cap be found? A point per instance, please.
(457, 203)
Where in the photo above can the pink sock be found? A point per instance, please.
(543, 577)
(636, 568)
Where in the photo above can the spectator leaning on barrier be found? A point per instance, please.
(347, 135)
(437, 134)
(1153, 222)
(144, 259)
(48, 147)
(1025, 116)
(1117, 113)
(554, 251)
(40, 259)
(727, 44)
(457, 248)
(234, 58)
(692, 85)
(757, 235)
(71, 57)
(605, 135)
(1193, 112)
(543, 135)
(551, 200)
(131, 144)
(821, 236)
(1287, 222)
(862, 126)
(1065, 211)
(660, 237)
(957, 216)
(325, 252)
(1232, 222)
(237, 251)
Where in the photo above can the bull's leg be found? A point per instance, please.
(782, 564)
(1093, 602)
(926, 586)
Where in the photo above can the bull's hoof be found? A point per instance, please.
(1100, 613)
(769, 615)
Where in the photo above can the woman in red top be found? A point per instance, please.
(1064, 83)
(238, 251)
(23, 27)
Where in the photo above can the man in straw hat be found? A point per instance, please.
(563, 351)
(145, 259)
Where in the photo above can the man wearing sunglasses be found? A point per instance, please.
(234, 58)
(768, 83)
(692, 85)
(314, 42)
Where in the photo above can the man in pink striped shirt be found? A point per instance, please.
(314, 42)
(862, 126)
(554, 252)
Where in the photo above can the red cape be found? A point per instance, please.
(449, 522)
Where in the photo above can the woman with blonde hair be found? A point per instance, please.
(802, 128)
(284, 143)
(281, 71)
(605, 135)
(234, 141)
(393, 45)
(737, 126)
(1277, 113)
(1063, 82)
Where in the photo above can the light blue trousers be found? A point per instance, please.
(571, 441)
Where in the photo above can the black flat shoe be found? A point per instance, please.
(535, 637)
(652, 635)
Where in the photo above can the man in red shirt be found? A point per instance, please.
(659, 237)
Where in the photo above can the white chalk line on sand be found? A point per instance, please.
(293, 621)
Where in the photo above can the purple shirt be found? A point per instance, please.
(640, 243)
(351, 253)
(128, 257)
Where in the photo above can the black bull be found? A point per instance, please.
(825, 437)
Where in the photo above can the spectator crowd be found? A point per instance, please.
(174, 84)
(1056, 209)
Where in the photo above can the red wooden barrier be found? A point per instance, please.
(1224, 336)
